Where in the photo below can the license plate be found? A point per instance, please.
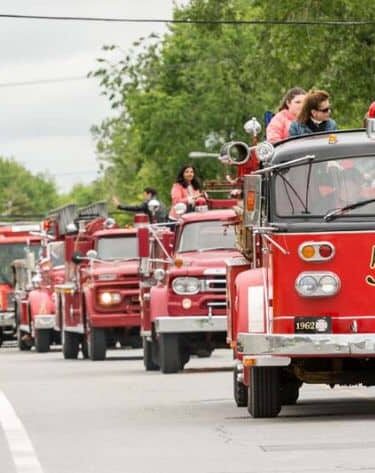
(312, 325)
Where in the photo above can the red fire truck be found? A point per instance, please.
(37, 313)
(300, 298)
(183, 288)
(98, 304)
(14, 240)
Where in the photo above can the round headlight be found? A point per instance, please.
(109, 298)
(105, 298)
(307, 285)
(159, 274)
(183, 286)
(328, 284)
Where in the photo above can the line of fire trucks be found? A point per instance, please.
(284, 274)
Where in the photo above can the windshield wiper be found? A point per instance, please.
(215, 248)
(333, 214)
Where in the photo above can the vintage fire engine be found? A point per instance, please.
(183, 288)
(98, 304)
(36, 300)
(15, 239)
(301, 296)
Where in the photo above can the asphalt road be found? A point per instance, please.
(59, 416)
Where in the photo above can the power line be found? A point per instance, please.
(193, 22)
(42, 81)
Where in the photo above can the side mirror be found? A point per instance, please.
(77, 257)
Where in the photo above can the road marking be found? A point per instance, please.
(20, 445)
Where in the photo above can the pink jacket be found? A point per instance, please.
(278, 128)
(180, 193)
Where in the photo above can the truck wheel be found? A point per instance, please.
(148, 355)
(84, 347)
(203, 352)
(289, 393)
(70, 345)
(239, 390)
(23, 345)
(1, 337)
(42, 340)
(97, 344)
(169, 353)
(264, 392)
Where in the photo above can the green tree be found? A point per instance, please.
(22, 193)
(204, 81)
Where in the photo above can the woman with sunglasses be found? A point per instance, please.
(314, 116)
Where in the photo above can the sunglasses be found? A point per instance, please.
(324, 110)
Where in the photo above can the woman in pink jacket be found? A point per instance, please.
(186, 189)
(291, 104)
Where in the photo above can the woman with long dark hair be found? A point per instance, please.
(186, 189)
(289, 108)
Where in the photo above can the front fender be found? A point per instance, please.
(40, 302)
(158, 302)
(250, 301)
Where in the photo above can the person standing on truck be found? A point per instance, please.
(289, 108)
(149, 193)
(314, 116)
(187, 189)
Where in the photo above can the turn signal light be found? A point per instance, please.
(316, 251)
(250, 201)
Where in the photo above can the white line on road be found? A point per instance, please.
(20, 445)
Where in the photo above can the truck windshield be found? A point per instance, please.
(117, 248)
(319, 187)
(56, 252)
(8, 253)
(203, 236)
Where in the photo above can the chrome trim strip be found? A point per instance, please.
(75, 329)
(306, 344)
(44, 321)
(7, 318)
(216, 323)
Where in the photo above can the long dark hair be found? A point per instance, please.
(196, 183)
(289, 96)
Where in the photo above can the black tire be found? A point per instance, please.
(169, 353)
(1, 336)
(42, 340)
(70, 346)
(203, 353)
(240, 391)
(149, 355)
(84, 347)
(264, 398)
(21, 343)
(97, 344)
(289, 393)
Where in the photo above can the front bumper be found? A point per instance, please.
(216, 323)
(296, 346)
(7, 319)
(44, 321)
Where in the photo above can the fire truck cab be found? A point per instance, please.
(183, 303)
(15, 240)
(301, 296)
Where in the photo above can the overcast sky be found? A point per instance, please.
(47, 126)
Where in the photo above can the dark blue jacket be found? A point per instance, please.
(297, 128)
